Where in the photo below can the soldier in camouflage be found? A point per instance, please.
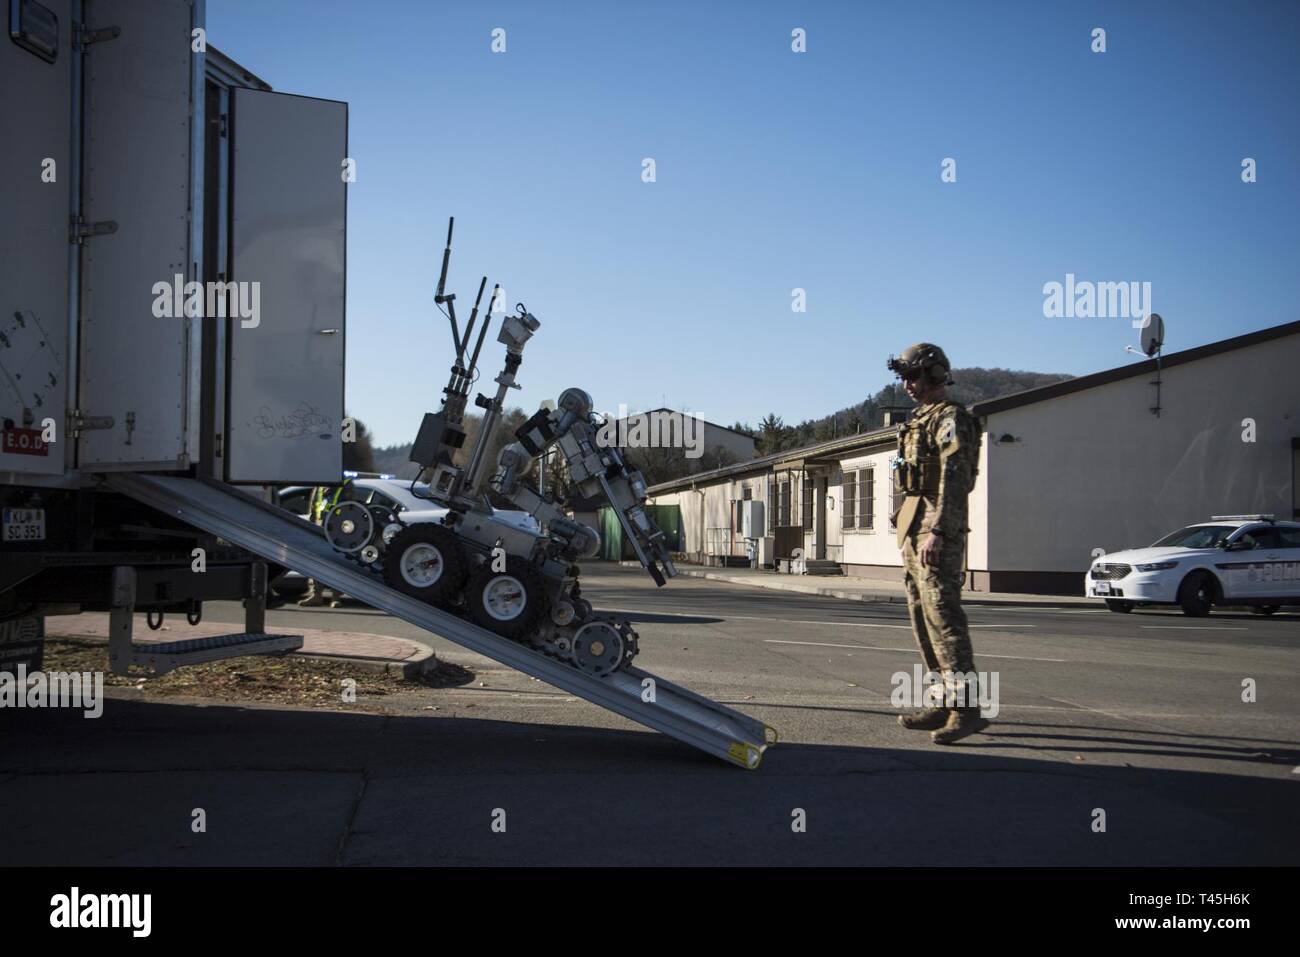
(938, 459)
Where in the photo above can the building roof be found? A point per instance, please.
(1145, 367)
(837, 448)
(804, 455)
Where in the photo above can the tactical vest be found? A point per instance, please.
(916, 471)
(918, 466)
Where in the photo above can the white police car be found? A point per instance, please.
(388, 491)
(1230, 560)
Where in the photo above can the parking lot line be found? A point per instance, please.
(801, 621)
(1194, 627)
(909, 651)
(1036, 611)
(852, 624)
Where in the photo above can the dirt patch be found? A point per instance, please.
(279, 679)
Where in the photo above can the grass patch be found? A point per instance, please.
(278, 679)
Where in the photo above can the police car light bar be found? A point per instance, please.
(1244, 518)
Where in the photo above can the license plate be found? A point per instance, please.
(24, 525)
(1101, 588)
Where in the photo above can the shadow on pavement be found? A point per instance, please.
(283, 787)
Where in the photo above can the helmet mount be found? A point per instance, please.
(924, 359)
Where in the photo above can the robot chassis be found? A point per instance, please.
(516, 581)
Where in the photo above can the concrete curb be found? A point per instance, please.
(419, 660)
(414, 667)
(779, 585)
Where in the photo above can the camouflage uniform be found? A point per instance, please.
(938, 459)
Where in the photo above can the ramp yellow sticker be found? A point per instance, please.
(745, 754)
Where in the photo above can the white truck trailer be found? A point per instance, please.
(172, 334)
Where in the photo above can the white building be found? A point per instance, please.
(1065, 469)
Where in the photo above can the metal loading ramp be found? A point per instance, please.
(285, 539)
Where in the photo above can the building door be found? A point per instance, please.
(806, 516)
(1295, 477)
(822, 491)
(788, 535)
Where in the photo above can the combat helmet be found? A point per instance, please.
(924, 357)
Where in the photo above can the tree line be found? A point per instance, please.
(970, 385)
(772, 434)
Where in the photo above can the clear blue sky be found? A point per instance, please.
(779, 170)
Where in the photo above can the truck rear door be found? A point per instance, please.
(138, 351)
(287, 257)
(36, 170)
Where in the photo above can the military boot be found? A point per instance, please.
(962, 722)
(927, 719)
(315, 595)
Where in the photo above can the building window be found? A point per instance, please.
(867, 498)
(806, 502)
(848, 496)
(895, 499)
(783, 503)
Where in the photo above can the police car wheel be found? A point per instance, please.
(1119, 605)
(1196, 595)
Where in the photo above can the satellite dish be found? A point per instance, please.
(1153, 334)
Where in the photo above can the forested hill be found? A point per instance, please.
(971, 385)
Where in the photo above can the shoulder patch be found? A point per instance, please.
(947, 430)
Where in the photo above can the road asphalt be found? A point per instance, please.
(1118, 740)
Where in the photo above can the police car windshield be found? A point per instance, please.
(1197, 536)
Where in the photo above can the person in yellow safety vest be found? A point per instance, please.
(321, 502)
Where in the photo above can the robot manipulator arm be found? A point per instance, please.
(574, 539)
(599, 470)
